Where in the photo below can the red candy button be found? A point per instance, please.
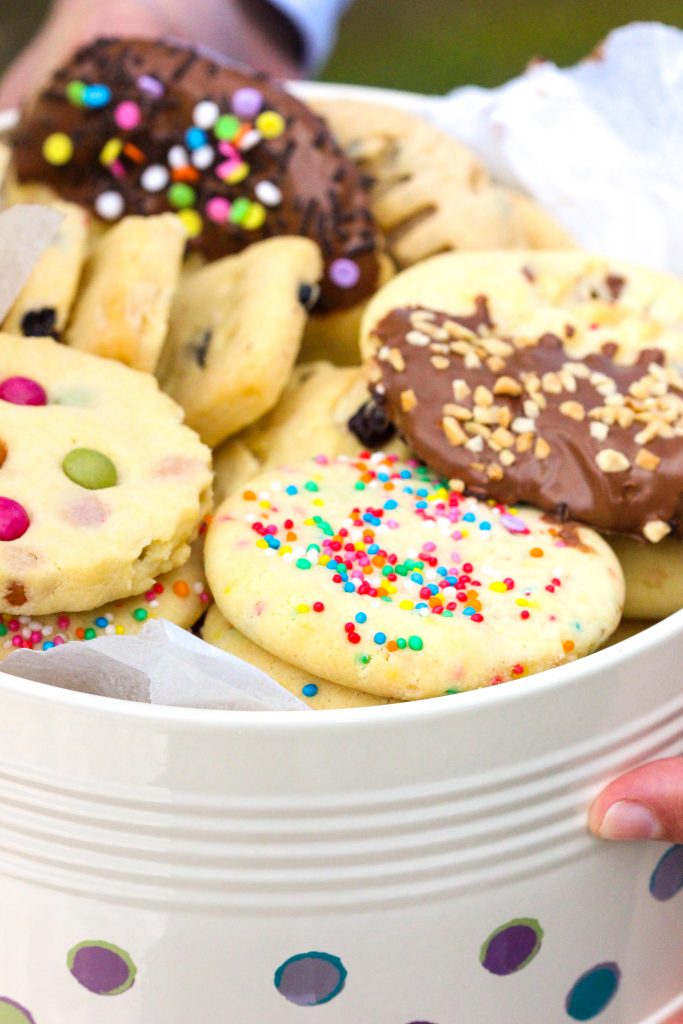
(14, 520)
(22, 391)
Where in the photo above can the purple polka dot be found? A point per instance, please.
(247, 103)
(309, 979)
(667, 877)
(22, 391)
(14, 520)
(104, 969)
(512, 946)
(344, 273)
(13, 1013)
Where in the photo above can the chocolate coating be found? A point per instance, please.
(308, 186)
(525, 421)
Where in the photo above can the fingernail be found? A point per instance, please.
(628, 820)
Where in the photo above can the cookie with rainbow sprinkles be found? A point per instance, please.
(144, 127)
(179, 596)
(375, 574)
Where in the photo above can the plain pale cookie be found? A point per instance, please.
(179, 596)
(430, 193)
(43, 307)
(319, 694)
(101, 486)
(488, 383)
(124, 303)
(653, 574)
(235, 332)
(374, 574)
(233, 466)
(313, 417)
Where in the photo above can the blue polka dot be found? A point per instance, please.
(380, 638)
(101, 622)
(310, 690)
(593, 992)
(469, 517)
(361, 617)
(292, 489)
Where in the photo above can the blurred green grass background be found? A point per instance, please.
(434, 45)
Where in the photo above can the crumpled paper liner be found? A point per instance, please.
(163, 664)
(599, 145)
(26, 231)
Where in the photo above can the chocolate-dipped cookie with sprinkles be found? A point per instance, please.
(550, 379)
(143, 127)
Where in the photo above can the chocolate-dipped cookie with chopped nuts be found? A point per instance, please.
(143, 127)
(547, 378)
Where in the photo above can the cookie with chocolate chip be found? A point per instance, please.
(548, 378)
(234, 334)
(140, 126)
(102, 487)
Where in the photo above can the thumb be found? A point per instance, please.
(645, 803)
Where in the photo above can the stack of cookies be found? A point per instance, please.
(415, 454)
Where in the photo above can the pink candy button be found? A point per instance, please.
(128, 116)
(22, 391)
(14, 520)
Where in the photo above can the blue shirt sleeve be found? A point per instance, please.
(316, 20)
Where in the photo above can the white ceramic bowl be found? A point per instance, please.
(424, 862)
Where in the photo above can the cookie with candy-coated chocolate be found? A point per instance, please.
(180, 596)
(235, 331)
(318, 693)
(44, 304)
(375, 574)
(140, 126)
(549, 378)
(102, 487)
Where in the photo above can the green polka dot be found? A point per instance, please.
(140, 614)
(90, 469)
(303, 563)
(400, 643)
(240, 209)
(90, 633)
(415, 643)
(3, 629)
(311, 485)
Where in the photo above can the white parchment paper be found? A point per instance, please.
(600, 145)
(163, 664)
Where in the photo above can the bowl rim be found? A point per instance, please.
(609, 660)
(570, 674)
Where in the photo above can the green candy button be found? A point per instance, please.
(90, 469)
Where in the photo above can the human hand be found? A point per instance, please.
(645, 803)
(250, 31)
